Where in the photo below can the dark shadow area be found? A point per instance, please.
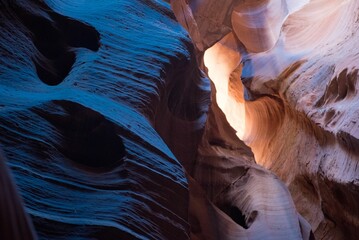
(237, 215)
(14, 221)
(184, 95)
(88, 137)
(54, 36)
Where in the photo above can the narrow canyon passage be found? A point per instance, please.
(179, 119)
(278, 87)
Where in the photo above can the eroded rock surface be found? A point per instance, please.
(285, 75)
(103, 119)
(91, 92)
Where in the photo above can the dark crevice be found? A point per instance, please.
(183, 95)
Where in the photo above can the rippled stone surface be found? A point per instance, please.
(285, 74)
(109, 130)
(91, 92)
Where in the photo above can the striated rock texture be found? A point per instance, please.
(232, 197)
(286, 79)
(110, 129)
(90, 93)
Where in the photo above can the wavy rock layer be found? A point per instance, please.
(231, 197)
(84, 85)
(286, 79)
(103, 108)
(227, 187)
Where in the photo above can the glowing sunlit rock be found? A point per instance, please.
(298, 62)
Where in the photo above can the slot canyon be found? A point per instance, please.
(179, 119)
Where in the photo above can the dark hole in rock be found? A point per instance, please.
(54, 37)
(244, 220)
(53, 72)
(88, 137)
(78, 34)
(237, 216)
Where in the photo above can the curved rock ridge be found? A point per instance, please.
(256, 23)
(92, 95)
(106, 129)
(290, 93)
(231, 197)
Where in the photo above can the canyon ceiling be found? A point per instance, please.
(182, 119)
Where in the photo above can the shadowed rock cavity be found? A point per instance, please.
(237, 215)
(88, 137)
(56, 37)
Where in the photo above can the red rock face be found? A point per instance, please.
(285, 76)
